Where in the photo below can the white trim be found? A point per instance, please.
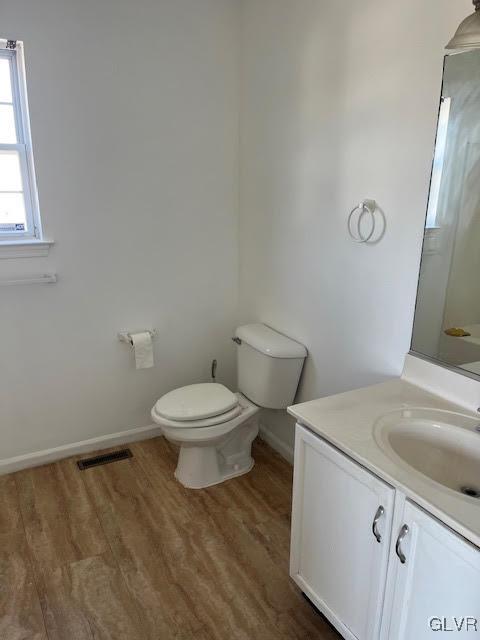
(274, 441)
(25, 248)
(37, 458)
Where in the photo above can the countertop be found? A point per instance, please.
(347, 421)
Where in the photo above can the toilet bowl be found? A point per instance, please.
(215, 427)
(212, 449)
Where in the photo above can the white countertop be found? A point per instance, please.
(347, 421)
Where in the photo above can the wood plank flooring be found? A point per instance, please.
(124, 552)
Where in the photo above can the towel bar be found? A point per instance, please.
(46, 278)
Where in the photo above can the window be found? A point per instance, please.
(19, 213)
(438, 162)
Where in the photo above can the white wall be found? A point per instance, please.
(339, 103)
(134, 110)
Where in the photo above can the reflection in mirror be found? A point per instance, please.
(447, 316)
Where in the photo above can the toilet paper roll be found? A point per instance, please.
(142, 345)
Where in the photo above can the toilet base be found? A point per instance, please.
(207, 464)
(200, 477)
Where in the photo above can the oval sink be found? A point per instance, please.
(442, 445)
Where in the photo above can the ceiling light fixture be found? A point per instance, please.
(467, 35)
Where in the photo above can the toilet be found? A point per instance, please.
(215, 427)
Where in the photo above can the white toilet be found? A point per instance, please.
(214, 427)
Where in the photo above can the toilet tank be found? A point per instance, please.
(268, 365)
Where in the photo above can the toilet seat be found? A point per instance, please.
(187, 431)
(196, 405)
(195, 424)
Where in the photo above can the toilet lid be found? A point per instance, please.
(221, 419)
(196, 402)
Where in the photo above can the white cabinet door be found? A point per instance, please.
(338, 556)
(437, 588)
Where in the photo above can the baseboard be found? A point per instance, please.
(37, 458)
(280, 447)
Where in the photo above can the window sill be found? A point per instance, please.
(25, 248)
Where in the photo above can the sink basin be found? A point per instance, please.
(442, 445)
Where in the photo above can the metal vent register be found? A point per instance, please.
(107, 458)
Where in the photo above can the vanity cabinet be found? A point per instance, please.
(375, 564)
(342, 518)
(437, 587)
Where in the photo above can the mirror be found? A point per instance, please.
(447, 315)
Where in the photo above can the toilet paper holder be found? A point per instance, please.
(126, 336)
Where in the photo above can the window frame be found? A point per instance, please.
(23, 146)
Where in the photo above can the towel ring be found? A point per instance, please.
(367, 207)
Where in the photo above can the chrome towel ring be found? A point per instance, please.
(365, 208)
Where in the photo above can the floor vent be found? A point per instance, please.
(114, 456)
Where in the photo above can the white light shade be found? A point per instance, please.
(468, 33)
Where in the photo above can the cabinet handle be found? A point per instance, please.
(378, 515)
(398, 547)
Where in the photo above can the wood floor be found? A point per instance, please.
(124, 552)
